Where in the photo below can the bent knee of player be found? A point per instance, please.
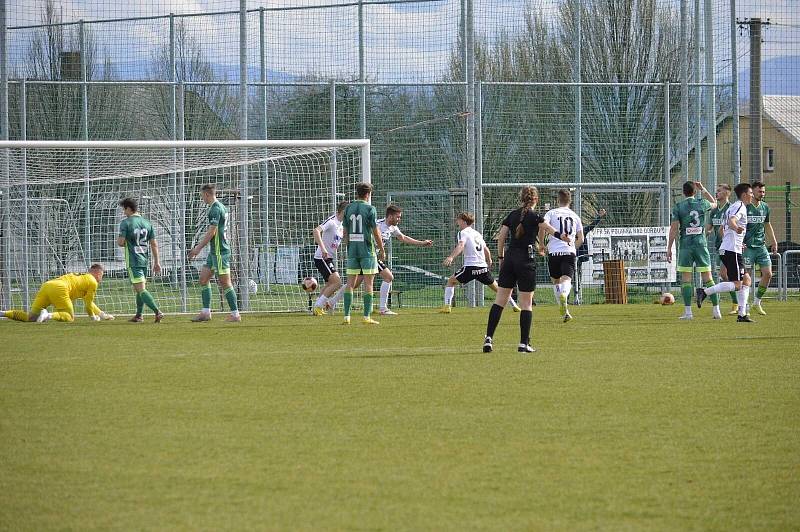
(387, 276)
(452, 281)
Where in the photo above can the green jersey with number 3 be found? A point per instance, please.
(757, 216)
(359, 221)
(218, 215)
(137, 232)
(691, 214)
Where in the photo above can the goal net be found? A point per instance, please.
(60, 201)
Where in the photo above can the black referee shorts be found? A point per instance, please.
(325, 267)
(518, 269)
(560, 265)
(734, 263)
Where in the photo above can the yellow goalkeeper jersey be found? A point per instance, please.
(81, 286)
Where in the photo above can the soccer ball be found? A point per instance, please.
(667, 299)
(309, 284)
(252, 286)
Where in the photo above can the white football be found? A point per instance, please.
(667, 299)
(309, 284)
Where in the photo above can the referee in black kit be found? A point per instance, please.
(521, 226)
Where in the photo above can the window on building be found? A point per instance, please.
(769, 159)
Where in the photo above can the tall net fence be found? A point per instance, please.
(453, 94)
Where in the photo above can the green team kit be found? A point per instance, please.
(137, 232)
(219, 255)
(755, 252)
(360, 219)
(692, 244)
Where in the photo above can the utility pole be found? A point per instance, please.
(755, 25)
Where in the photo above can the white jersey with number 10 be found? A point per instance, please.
(565, 221)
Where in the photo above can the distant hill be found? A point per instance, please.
(780, 75)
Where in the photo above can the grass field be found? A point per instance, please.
(626, 418)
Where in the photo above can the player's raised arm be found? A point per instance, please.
(414, 242)
(707, 195)
(457, 250)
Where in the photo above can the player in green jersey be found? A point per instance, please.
(219, 256)
(138, 238)
(714, 228)
(361, 234)
(688, 218)
(755, 252)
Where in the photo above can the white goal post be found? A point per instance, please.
(60, 212)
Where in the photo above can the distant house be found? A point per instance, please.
(780, 158)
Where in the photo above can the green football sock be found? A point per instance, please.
(761, 291)
(713, 297)
(367, 304)
(734, 299)
(139, 304)
(686, 291)
(205, 295)
(230, 297)
(147, 299)
(348, 301)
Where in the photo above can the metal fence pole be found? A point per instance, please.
(5, 215)
(87, 228)
(181, 133)
(362, 71)
(711, 105)
(244, 186)
(479, 173)
(470, 141)
(698, 140)
(684, 60)
(23, 135)
(174, 225)
(334, 169)
(578, 109)
(265, 209)
(664, 216)
(736, 168)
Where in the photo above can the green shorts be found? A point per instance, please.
(691, 256)
(136, 274)
(757, 256)
(362, 265)
(219, 263)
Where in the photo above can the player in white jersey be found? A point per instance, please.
(477, 261)
(731, 252)
(328, 235)
(388, 229)
(561, 254)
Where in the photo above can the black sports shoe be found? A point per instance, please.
(487, 344)
(526, 348)
(745, 319)
(701, 296)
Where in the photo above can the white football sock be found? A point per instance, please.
(449, 291)
(512, 302)
(566, 286)
(337, 296)
(385, 289)
(724, 286)
(687, 310)
(741, 297)
(556, 290)
(320, 301)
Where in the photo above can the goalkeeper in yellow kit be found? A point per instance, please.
(60, 293)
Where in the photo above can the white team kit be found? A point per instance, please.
(387, 232)
(732, 242)
(475, 266)
(331, 233)
(561, 255)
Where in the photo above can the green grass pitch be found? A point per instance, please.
(625, 419)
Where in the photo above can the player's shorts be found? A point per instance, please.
(757, 256)
(474, 273)
(325, 267)
(690, 257)
(362, 265)
(561, 265)
(219, 263)
(518, 269)
(734, 264)
(53, 293)
(137, 275)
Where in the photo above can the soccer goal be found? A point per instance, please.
(60, 205)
